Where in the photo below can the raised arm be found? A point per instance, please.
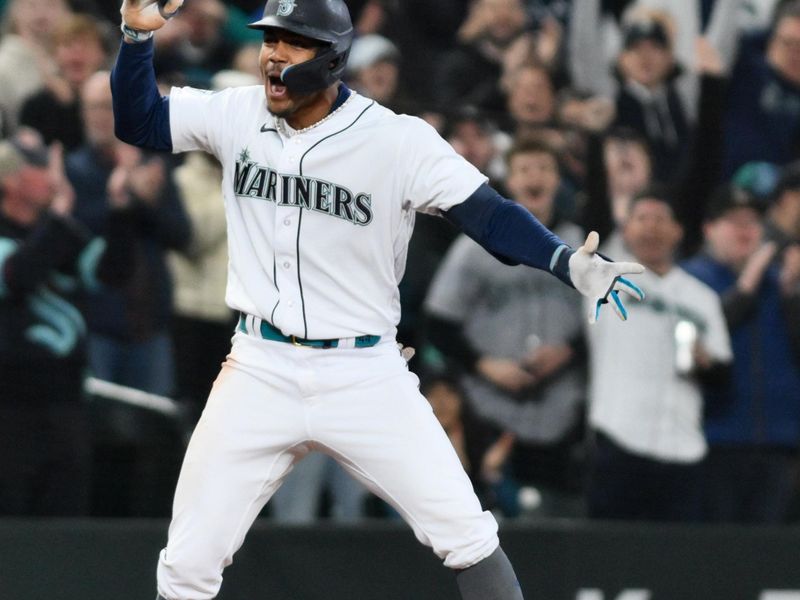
(141, 114)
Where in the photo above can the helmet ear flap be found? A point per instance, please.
(315, 74)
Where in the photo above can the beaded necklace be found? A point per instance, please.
(287, 130)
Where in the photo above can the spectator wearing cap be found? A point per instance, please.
(373, 69)
(762, 120)
(647, 100)
(753, 425)
(81, 49)
(646, 416)
(47, 264)
(779, 189)
(620, 165)
(783, 216)
(719, 22)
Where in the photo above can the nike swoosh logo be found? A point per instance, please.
(265, 129)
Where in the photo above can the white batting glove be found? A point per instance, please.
(148, 15)
(599, 279)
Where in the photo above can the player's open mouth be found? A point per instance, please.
(276, 88)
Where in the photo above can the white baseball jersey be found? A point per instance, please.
(637, 396)
(319, 220)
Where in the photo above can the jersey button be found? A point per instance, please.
(287, 222)
(290, 303)
(287, 264)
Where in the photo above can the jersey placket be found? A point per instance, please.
(289, 315)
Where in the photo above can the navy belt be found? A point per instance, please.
(269, 332)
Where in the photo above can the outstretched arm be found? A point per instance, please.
(515, 236)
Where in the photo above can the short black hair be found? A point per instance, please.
(467, 113)
(532, 145)
(660, 192)
(645, 29)
(788, 180)
(784, 9)
(728, 196)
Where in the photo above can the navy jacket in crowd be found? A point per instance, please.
(46, 270)
(762, 405)
(144, 306)
(762, 121)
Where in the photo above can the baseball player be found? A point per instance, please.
(320, 187)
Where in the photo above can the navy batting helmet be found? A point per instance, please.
(327, 21)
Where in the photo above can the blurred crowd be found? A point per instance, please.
(670, 127)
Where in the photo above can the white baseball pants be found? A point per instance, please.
(272, 404)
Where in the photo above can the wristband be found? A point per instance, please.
(135, 35)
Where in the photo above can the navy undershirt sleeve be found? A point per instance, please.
(141, 114)
(510, 232)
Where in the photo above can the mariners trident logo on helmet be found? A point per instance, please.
(286, 7)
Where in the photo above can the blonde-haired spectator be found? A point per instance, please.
(26, 62)
(81, 47)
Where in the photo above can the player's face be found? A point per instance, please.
(281, 49)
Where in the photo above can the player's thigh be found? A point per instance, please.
(387, 436)
(247, 439)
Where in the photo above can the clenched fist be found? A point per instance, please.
(148, 15)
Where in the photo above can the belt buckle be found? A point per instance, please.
(293, 339)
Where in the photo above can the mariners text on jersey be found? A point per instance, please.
(256, 181)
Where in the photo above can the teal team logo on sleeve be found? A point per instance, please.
(286, 7)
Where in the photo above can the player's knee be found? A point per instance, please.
(189, 577)
(470, 541)
(471, 552)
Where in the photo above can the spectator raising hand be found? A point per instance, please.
(63, 193)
